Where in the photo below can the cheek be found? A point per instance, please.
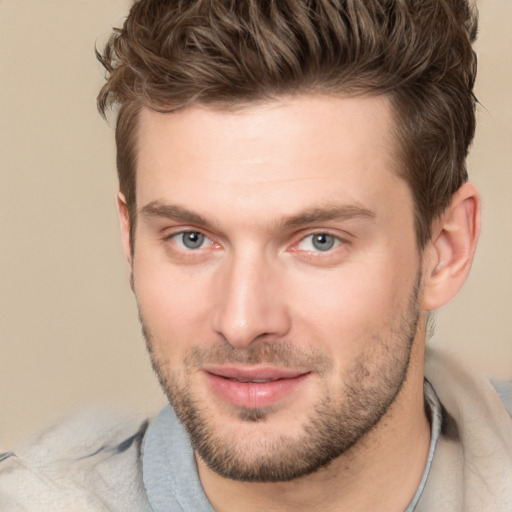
(352, 305)
(172, 304)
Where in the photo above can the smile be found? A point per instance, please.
(256, 381)
(253, 387)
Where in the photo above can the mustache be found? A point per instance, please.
(276, 353)
(282, 354)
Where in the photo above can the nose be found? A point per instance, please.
(250, 302)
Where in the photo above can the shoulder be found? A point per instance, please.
(504, 390)
(475, 441)
(89, 462)
(457, 384)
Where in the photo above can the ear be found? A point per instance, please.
(124, 219)
(449, 254)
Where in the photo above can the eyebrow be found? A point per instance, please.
(327, 213)
(304, 218)
(173, 212)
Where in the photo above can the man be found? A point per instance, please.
(294, 203)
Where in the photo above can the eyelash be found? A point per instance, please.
(173, 237)
(193, 252)
(337, 241)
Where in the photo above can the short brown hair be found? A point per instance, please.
(174, 53)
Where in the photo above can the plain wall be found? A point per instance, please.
(68, 325)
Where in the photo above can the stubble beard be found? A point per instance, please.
(336, 423)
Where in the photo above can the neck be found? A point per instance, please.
(362, 479)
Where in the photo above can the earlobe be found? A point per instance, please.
(449, 255)
(124, 219)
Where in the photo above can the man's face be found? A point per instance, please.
(277, 275)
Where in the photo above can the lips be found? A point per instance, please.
(254, 387)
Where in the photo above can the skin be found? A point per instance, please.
(257, 294)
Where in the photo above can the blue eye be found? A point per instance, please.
(190, 239)
(321, 242)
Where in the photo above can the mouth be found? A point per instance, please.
(253, 388)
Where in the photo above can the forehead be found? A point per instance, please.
(292, 151)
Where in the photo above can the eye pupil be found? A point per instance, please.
(192, 240)
(323, 242)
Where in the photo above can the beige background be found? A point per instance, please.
(68, 328)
